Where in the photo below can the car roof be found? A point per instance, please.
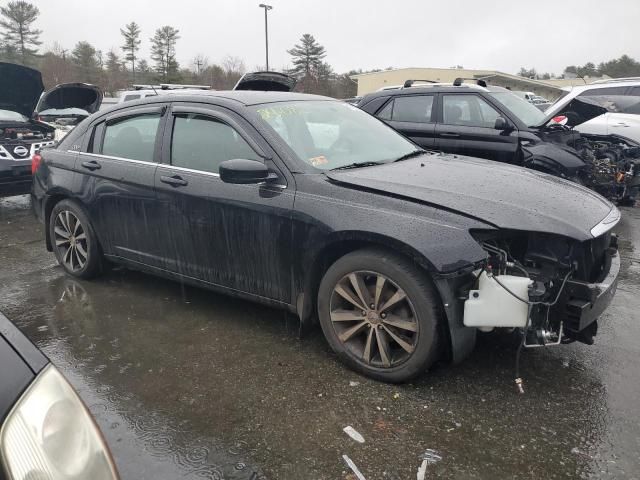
(244, 97)
(439, 88)
(610, 84)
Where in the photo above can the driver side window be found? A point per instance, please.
(203, 143)
(468, 111)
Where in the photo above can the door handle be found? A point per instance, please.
(620, 124)
(175, 181)
(92, 165)
(449, 135)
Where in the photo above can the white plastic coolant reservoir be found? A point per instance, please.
(492, 306)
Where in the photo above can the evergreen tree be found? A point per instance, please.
(19, 34)
(163, 53)
(85, 59)
(131, 34)
(307, 57)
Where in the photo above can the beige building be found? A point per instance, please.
(370, 82)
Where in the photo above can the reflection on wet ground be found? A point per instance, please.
(189, 384)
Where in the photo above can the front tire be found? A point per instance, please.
(74, 241)
(380, 314)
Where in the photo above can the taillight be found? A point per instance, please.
(36, 160)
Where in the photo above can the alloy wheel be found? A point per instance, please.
(71, 240)
(374, 319)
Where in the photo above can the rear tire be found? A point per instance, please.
(73, 240)
(380, 314)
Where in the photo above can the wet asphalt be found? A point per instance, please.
(188, 384)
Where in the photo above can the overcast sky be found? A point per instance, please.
(363, 34)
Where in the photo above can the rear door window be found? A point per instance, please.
(414, 109)
(203, 143)
(132, 137)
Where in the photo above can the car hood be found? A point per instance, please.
(501, 195)
(20, 88)
(577, 111)
(266, 82)
(71, 95)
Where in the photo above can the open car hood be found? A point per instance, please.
(577, 111)
(266, 82)
(20, 88)
(504, 196)
(71, 95)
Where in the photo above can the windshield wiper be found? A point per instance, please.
(412, 154)
(357, 165)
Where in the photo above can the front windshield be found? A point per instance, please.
(11, 116)
(528, 114)
(328, 135)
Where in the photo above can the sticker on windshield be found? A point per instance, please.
(318, 161)
(272, 112)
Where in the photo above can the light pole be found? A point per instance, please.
(266, 31)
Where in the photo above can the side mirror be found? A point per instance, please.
(242, 171)
(501, 124)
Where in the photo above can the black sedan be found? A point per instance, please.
(46, 432)
(312, 205)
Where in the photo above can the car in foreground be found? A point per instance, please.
(20, 135)
(311, 205)
(491, 122)
(46, 432)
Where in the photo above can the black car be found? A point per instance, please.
(309, 204)
(492, 122)
(45, 429)
(20, 135)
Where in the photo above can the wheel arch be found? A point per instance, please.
(51, 201)
(336, 246)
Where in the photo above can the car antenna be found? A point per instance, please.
(154, 90)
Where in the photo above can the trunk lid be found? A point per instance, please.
(20, 88)
(266, 82)
(505, 196)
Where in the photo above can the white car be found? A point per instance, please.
(602, 108)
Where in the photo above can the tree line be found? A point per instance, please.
(118, 69)
(625, 66)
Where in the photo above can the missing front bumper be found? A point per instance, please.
(587, 301)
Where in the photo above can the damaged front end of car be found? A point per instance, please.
(612, 162)
(553, 288)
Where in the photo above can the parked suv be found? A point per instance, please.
(20, 135)
(491, 122)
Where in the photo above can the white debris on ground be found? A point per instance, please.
(353, 434)
(353, 468)
(429, 457)
(353, 384)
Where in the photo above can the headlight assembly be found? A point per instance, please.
(50, 435)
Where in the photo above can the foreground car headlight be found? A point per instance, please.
(607, 223)
(50, 434)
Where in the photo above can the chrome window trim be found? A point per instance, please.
(190, 170)
(607, 223)
(109, 157)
